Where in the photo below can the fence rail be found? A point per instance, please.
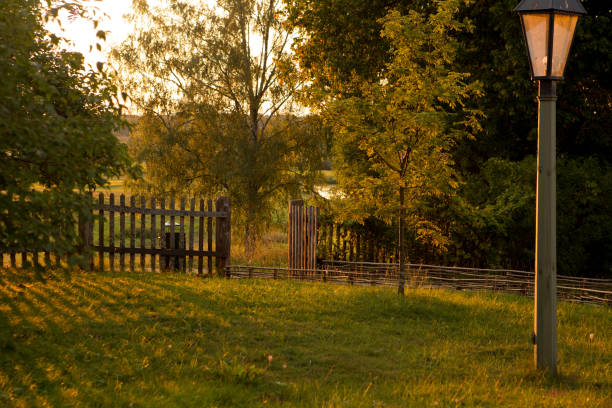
(582, 290)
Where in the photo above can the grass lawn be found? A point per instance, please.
(165, 340)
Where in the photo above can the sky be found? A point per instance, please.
(82, 33)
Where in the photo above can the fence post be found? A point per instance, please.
(86, 232)
(223, 235)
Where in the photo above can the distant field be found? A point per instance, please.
(166, 340)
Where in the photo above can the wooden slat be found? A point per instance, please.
(309, 262)
(143, 233)
(167, 212)
(153, 242)
(289, 237)
(317, 224)
(173, 244)
(101, 232)
(90, 232)
(111, 233)
(209, 238)
(132, 231)
(222, 236)
(162, 232)
(300, 237)
(191, 230)
(201, 240)
(161, 252)
(182, 234)
(122, 233)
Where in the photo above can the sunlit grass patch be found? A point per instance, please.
(160, 340)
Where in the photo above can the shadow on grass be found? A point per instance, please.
(120, 339)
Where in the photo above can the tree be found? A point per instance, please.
(405, 124)
(217, 116)
(56, 131)
(492, 53)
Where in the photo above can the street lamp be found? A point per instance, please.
(548, 26)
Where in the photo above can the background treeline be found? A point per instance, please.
(489, 219)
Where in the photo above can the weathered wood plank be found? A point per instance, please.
(209, 237)
(173, 245)
(191, 230)
(182, 235)
(101, 232)
(122, 233)
(143, 233)
(162, 233)
(111, 233)
(161, 252)
(223, 234)
(167, 212)
(201, 240)
(153, 241)
(132, 231)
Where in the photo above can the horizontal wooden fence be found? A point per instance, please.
(573, 289)
(150, 234)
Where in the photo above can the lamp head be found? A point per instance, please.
(548, 27)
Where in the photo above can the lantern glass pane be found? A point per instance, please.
(564, 32)
(536, 32)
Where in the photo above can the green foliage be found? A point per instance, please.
(397, 135)
(56, 131)
(169, 340)
(584, 211)
(218, 118)
(492, 221)
(495, 230)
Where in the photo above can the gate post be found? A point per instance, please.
(223, 235)
(302, 237)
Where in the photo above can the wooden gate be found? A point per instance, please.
(169, 244)
(302, 235)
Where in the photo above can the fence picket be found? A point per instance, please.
(209, 237)
(162, 233)
(191, 228)
(153, 240)
(111, 234)
(170, 259)
(101, 232)
(132, 232)
(181, 243)
(122, 233)
(143, 234)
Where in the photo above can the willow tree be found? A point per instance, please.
(395, 140)
(217, 118)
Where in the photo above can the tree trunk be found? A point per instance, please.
(400, 288)
(249, 235)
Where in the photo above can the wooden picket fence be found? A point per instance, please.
(136, 235)
(302, 235)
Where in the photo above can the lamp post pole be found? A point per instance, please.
(549, 28)
(545, 319)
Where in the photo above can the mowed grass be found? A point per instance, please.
(171, 340)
